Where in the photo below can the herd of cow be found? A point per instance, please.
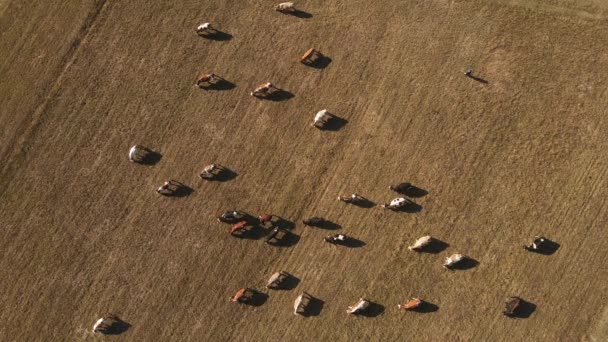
(243, 223)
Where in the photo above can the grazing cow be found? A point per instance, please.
(238, 227)
(453, 260)
(421, 243)
(274, 234)
(537, 244)
(232, 216)
(321, 119)
(104, 323)
(401, 187)
(412, 304)
(206, 80)
(397, 203)
(301, 303)
(512, 306)
(354, 198)
(168, 188)
(265, 218)
(205, 29)
(276, 280)
(313, 221)
(285, 7)
(210, 172)
(138, 153)
(243, 295)
(358, 307)
(310, 57)
(336, 239)
(264, 90)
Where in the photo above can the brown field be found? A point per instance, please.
(84, 233)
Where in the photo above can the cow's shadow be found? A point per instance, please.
(254, 232)
(435, 246)
(414, 192)
(335, 123)
(300, 14)
(289, 283)
(151, 158)
(225, 175)
(373, 310)
(352, 242)
(426, 307)
(320, 62)
(465, 264)
(217, 35)
(220, 85)
(257, 299)
(181, 190)
(284, 223)
(329, 225)
(288, 239)
(314, 307)
(279, 95)
(118, 327)
(524, 310)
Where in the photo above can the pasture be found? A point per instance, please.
(521, 154)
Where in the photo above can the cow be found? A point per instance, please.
(301, 303)
(411, 304)
(352, 199)
(207, 80)
(277, 280)
(358, 307)
(321, 118)
(336, 239)
(205, 29)
(401, 187)
(453, 260)
(231, 216)
(285, 7)
(211, 172)
(314, 221)
(310, 57)
(421, 243)
(138, 153)
(103, 324)
(243, 295)
(264, 90)
(168, 188)
(397, 203)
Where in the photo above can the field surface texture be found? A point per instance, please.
(520, 151)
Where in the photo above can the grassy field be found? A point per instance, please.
(84, 233)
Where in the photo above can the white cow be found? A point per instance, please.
(285, 7)
(300, 304)
(361, 305)
(453, 260)
(205, 28)
(137, 153)
(321, 118)
(397, 203)
(421, 243)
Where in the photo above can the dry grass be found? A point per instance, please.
(83, 231)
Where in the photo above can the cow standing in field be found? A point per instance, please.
(205, 29)
(264, 90)
(352, 199)
(359, 306)
(207, 80)
(286, 7)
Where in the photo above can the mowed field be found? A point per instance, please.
(84, 233)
